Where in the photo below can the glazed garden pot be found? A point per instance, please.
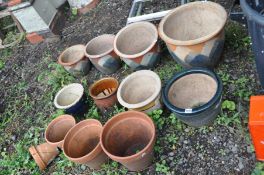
(82, 144)
(194, 33)
(104, 92)
(137, 46)
(73, 59)
(43, 154)
(58, 128)
(100, 51)
(71, 98)
(140, 91)
(194, 95)
(129, 138)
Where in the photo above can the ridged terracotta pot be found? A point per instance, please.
(100, 51)
(137, 46)
(140, 91)
(104, 92)
(44, 154)
(194, 33)
(73, 59)
(82, 144)
(129, 138)
(58, 128)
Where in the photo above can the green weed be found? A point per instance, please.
(158, 119)
(162, 167)
(230, 105)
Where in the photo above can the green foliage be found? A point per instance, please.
(259, 169)
(157, 118)
(166, 71)
(2, 64)
(112, 168)
(230, 105)
(231, 119)
(176, 123)
(162, 167)
(242, 88)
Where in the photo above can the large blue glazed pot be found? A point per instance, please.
(194, 96)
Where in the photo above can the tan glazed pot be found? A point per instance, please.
(194, 33)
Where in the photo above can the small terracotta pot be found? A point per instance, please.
(73, 59)
(100, 51)
(137, 46)
(129, 138)
(140, 91)
(43, 154)
(71, 98)
(82, 144)
(194, 33)
(104, 92)
(58, 128)
(83, 6)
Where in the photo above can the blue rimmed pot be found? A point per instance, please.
(194, 96)
(72, 99)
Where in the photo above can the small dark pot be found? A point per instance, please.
(194, 96)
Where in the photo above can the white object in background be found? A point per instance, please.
(79, 3)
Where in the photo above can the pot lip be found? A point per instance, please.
(148, 100)
(73, 62)
(120, 115)
(42, 165)
(251, 13)
(98, 81)
(54, 121)
(144, 51)
(70, 105)
(198, 110)
(90, 153)
(170, 40)
(102, 54)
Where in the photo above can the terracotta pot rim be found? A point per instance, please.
(90, 154)
(60, 91)
(170, 40)
(148, 100)
(120, 115)
(143, 52)
(73, 62)
(102, 54)
(37, 157)
(54, 121)
(97, 82)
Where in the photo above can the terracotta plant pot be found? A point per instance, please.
(129, 138)
(71, 98)
(195, 96)
(58, 128)
(194, 33)
(43, 154)
(137, 46)
(73, 59)
(83, 6)
(104, 92)
(82, 144)
(140, 91)
(100, 51)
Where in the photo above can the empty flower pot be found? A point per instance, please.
(100, 51)
(194, 95)
(140, 91)
(194, 33)
(57, 130)
(71, 98)
(82, 144)
(129, 138)
(103, 92)
(73, 59)
(137, 46)
(43, 154)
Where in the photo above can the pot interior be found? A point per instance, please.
(100, 45)
(195, 21)
(192, 91)
(136, 38)
(72, 54)
(69, 95)
(103, 88)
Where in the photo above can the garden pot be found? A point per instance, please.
(43, 154)
(100, 51)
(194, 95)
(253, 10)
(71, 98)
(73, 59)
(82, 144)
(140, 91)
(103, 92)
(83, 6)
(194, 33)
(58, 128)
(129, 138)
(137, 46)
